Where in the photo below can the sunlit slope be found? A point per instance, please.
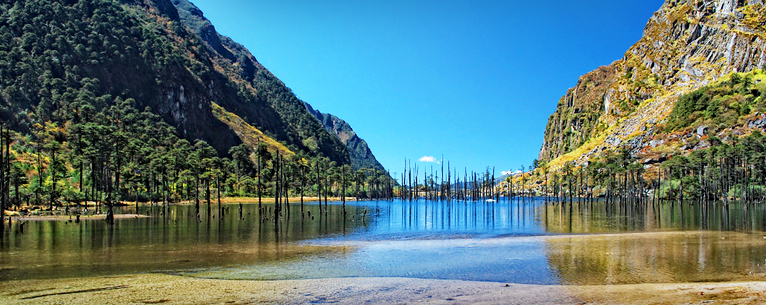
(686, 45)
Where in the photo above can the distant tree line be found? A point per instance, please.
(446, 186)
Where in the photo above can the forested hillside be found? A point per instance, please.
(680, 116)
(63, 56)
(107, 100)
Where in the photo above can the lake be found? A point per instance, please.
(519, 241)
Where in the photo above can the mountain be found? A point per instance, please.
(360, 154)
(686, 46)
(63, 61)
(358, 150)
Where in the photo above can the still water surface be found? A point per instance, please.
(530, 241)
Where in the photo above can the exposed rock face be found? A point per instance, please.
(686, 45)
(577, 115)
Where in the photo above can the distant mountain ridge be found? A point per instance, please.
(359, 151)
(686, 45)
(238, 62)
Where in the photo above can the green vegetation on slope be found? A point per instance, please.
(685, 45)
(688, 165)
(721, 104)
(724, 172)
(249, 134)
(576, 117)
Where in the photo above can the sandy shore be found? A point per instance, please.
(226, 200)
(170, 289)
(213, 201)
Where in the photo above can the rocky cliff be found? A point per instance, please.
(686, 45)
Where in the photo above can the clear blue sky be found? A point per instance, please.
(474, 81)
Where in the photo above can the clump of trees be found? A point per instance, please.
(720, 104)
(121, 155)
(724, 172)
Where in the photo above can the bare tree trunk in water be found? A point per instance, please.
(3, 177)
(681, 188)
(260, 178)
(277, 187)
(319, 186)
(218, 191)
(207, 195)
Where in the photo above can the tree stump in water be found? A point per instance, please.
(109, 217)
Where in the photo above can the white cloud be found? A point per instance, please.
(506, 173)
(429, 159)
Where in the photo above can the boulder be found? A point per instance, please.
(701, 131)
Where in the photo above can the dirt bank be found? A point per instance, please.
(73, 218)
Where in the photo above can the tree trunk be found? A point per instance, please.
(303, 185)
(277, 186)
(3, 177)
(260, 189)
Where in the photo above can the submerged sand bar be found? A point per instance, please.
(154, 288)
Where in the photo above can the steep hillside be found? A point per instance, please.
(296, 125)
(62, 61)
(686, 45)
(360, 153)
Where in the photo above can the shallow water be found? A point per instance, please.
(530, 242)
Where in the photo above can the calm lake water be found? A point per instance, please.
(530, 242)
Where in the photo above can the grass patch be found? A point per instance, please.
(249, 134)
